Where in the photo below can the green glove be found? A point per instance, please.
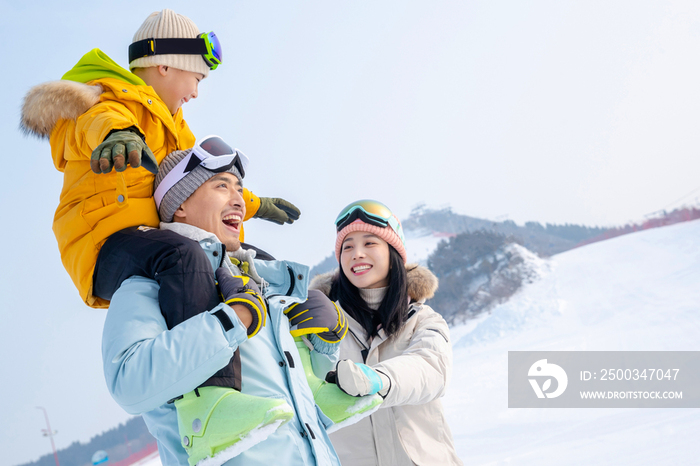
(277, 210)
(318, 315)
(111, 153)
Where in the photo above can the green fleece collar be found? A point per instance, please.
(97, 65)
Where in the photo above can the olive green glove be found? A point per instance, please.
(277, 210)
(115, 149)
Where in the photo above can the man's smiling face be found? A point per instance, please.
(217, 207)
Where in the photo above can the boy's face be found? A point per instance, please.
(217, 207)
(174, 86)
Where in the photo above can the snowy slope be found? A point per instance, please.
(636, 292)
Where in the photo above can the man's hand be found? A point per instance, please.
(357, 379)
(119, 148)
(277, 210)
(238, 291)
(318, 315)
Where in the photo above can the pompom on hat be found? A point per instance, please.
(392, 233)
(167, 24)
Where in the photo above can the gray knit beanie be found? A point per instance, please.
(184, 188)
(167, 24)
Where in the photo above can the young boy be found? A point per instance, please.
(101, 116)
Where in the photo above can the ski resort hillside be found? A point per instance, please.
(639, 292)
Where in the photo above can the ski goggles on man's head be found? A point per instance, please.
(211, 153)
(206, 44)
(217, 156)
(371, 212)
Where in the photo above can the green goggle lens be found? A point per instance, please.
(214, 55)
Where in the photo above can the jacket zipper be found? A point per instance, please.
(365, 351)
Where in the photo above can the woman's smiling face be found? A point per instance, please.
(364, 258)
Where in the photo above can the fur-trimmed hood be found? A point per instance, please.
(49, 102)
(76, 116)
(69, 98)
(422, 283)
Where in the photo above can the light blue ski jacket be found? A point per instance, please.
(145, 364)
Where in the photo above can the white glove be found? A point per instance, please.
(357, 379)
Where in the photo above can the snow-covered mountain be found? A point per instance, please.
(479, 270)
(639, 292)
(545, 239)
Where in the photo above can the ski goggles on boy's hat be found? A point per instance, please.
(211, 153)
(361, 214)
(206, 44)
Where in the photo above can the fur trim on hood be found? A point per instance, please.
(47, 103)
(422, 283)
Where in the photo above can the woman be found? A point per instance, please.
(397, 346)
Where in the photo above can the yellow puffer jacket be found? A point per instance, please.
(78, 117)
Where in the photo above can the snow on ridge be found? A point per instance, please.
(521, 308)
(421, 243)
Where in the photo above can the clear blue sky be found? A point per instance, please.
(581, 112)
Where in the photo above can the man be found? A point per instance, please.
(150, 365)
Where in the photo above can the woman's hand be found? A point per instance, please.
(357, 379)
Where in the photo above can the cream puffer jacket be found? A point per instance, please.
(410, 426)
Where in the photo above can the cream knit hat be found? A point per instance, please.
(167, 24)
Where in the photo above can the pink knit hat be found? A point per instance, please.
(385, 233)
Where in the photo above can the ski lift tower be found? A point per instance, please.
(49, 433)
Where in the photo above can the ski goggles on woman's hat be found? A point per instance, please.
(211, 153)
(371, 212)
(372, 217)
(206, 44)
